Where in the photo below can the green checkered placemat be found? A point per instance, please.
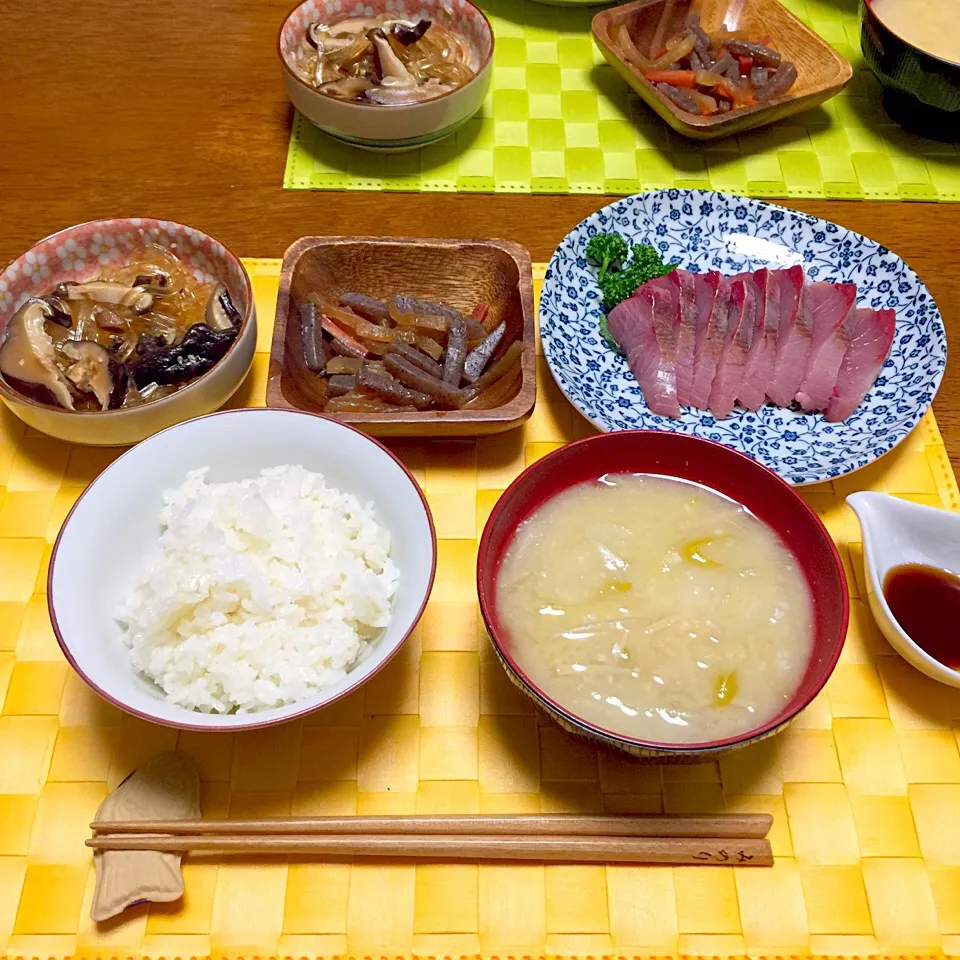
(558, 120)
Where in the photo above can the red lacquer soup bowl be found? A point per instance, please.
(714, 466)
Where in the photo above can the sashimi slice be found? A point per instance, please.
(758, 374)
(872, 338)
(706, 292)
(740, 327)
(684, 283)
(713, 305)
(794, 338)
(644, 329)
(832, 309)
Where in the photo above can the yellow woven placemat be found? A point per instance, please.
(864, 787)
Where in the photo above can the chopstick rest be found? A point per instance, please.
(165, 787)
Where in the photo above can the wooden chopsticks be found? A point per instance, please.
(565, 849)
(736, 839)
(750, 825)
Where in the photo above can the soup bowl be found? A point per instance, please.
(921, 92)
(388, 127)
(78, 253)
(718, 468)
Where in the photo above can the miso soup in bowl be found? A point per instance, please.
(661, 593)
(913, 47)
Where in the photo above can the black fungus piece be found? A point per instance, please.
(116, 346)
(151, 280)
(221, 314)
(147, 344)
(407, 34)
(59, 312)
(200, 348)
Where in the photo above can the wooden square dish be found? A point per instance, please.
(821, 71)
(458, 273)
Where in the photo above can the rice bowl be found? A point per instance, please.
(115, 525)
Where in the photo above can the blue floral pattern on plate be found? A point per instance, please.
(705, 231)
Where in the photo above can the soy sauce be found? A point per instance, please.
(926, 603)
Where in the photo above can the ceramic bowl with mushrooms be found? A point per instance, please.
(402, 74)
(115, 329)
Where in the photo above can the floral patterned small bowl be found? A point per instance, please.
(79, 253)
(396, 127)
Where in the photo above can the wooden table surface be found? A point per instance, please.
(176, 110)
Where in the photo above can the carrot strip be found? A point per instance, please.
(676, 78)
(344, 317)
(338, 333)
(479, 314)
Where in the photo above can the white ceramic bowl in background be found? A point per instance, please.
(115, 522)
(79, 253)
(898, 531)
(395, 127)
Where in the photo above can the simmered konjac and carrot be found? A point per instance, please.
(372, 356)
(708, 73)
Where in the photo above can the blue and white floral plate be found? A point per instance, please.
(705, 231)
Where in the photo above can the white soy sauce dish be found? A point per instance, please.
(115, 523)
(896, 532)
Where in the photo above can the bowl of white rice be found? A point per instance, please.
(241, 569)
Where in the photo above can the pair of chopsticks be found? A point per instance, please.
(730, 839)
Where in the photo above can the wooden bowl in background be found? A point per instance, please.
(821, 71)
(459, 273)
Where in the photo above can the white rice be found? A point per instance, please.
(260, 592)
